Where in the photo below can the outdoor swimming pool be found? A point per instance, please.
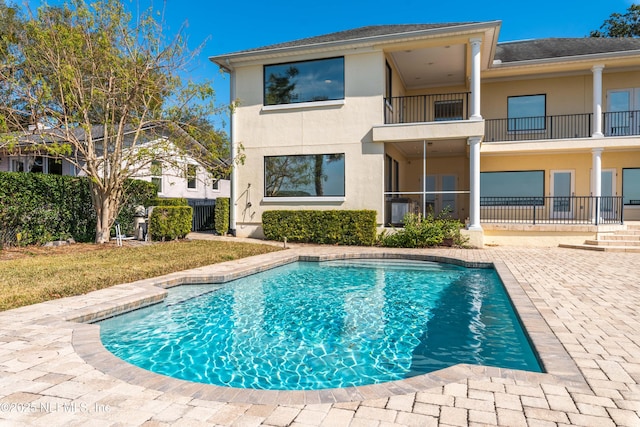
(322, 325)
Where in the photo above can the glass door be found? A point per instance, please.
(607, 191)
(441, 185)
(623, 112)
(562, 192)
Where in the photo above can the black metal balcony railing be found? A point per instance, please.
(552, 210)
(543, 127)
(622, 123)
(427, 108)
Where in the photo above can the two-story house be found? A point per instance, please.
(538, 136)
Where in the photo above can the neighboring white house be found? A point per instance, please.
(182, 177)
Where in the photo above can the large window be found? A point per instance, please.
(320, 175)
(511, 188)
(305, 81)
(526, 112)
(631, 186)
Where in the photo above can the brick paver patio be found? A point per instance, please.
(581, 309)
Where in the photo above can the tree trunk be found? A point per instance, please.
(105, 209)
(103, 223)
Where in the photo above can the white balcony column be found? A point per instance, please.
(475, 78)
(596, 178)
(474, 175)
(597, 101)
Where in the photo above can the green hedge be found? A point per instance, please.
(38, 208)
(221, 216)
(170, 222)
(169, 201)
(341, 227)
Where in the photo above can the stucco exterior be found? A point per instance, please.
(417, 122)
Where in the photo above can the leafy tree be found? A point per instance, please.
(621, 24)
(107, 92)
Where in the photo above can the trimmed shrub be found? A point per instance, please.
(170, 222)
(340, 227)
(221, 216)
(169, 201)
(419, 232)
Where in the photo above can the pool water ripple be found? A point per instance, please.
(325, 325)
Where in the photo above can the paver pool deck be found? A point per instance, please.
(582, 310)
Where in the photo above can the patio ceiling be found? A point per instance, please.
(439, 148)
(432, 66)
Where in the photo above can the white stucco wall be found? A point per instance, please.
(315, 128)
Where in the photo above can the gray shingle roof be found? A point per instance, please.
(562, 47)
(357, 33)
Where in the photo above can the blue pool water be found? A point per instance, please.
(323, 325)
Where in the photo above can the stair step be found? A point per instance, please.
(621, 236)
(628, 232)
(635, 249)
(613, 242)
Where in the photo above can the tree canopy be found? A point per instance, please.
(621, 24)
(106, 90)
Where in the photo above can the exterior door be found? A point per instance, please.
(441, 184)
(608, 190)
(623, 112)
(562, 191)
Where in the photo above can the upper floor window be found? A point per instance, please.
(304, 81)
(448, 110)
(156, 175)
(191, 177)
(526, 112)
(388, 89)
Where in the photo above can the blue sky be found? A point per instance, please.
(229, 26)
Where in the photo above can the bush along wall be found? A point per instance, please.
(422, 232)
(221, 216)
(342, 227)
(170, 222)
(39, 208)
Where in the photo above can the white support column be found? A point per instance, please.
(424, 178)
(474, 175)
(475, 78)
(233, 203)
(596, 179)
(597, 101)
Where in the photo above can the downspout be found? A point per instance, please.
(232, 131)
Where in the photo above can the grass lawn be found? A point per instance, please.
(35, 274)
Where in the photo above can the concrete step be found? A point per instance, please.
(613, 242)
(634, 249)
(620, 236)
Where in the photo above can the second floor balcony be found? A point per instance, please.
(426, 108)
(566, 126)
(455, 107)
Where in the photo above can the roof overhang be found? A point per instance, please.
(489, 31)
